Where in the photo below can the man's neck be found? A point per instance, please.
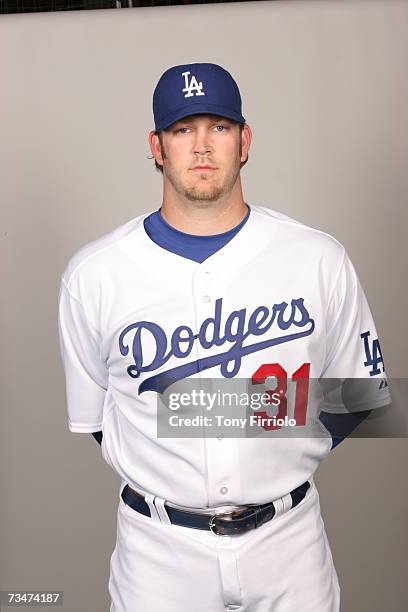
(204, 218)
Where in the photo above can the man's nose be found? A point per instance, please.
(202, 143)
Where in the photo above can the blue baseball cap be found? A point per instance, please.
(193, 89)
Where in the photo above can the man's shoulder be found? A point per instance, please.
(269, 213)
(296, 230)
(91, 255)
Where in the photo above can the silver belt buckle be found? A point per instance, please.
(227, 516)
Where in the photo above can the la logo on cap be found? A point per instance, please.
(192, 86)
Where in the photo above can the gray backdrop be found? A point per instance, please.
(325, 91)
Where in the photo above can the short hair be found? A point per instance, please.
(159, 168)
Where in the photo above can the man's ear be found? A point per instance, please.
(246, 139)
(155, 147)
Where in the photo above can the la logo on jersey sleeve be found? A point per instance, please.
(373, 354)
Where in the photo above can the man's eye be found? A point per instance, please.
(182, 130)
(220, 128)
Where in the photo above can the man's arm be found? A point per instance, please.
(352, 376)
(86, 374)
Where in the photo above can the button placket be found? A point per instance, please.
(203, 301)
(221, 459)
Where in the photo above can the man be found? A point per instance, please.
(208, 288)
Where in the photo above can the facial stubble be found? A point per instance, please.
(195, 193)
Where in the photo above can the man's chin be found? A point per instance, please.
(199, 195)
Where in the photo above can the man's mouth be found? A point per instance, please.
(203, 168)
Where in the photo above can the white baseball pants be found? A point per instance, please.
(284, 565)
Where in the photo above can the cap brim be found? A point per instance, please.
(199, 109)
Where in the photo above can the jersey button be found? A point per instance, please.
(206, 298)
(224, 490)
(220, 437)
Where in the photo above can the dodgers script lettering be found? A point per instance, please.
(239, 326)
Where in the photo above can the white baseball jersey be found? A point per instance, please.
(132, 314)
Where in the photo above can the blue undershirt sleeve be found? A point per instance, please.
(340, 426)
(98, 436)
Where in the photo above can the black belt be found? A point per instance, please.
(224, 523)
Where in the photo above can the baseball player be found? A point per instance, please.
(209, 287)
